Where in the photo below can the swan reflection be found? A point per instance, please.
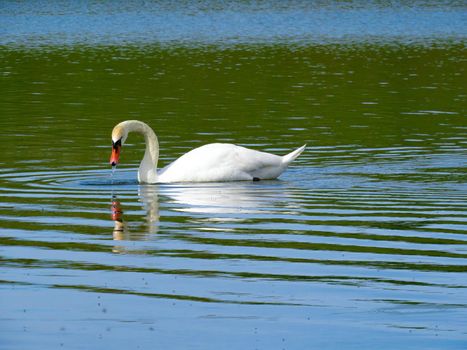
(149, 200)
(238, 198)
(221, 201)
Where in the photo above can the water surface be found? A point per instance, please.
(360, 244)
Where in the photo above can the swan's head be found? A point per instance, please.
(119, 135)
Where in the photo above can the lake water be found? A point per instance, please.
(362, 242)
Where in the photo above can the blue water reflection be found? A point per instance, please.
(224, 22)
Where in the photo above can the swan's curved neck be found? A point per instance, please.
(148, 168)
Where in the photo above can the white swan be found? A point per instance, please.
(212, 162)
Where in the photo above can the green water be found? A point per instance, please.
(360, 244)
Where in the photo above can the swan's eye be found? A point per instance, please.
(117, 144)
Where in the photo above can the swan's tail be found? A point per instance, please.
(288, 158)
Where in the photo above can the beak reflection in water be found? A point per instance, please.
(120, 228)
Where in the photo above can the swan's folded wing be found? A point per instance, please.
(222, 162)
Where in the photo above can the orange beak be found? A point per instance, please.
(115, 153)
